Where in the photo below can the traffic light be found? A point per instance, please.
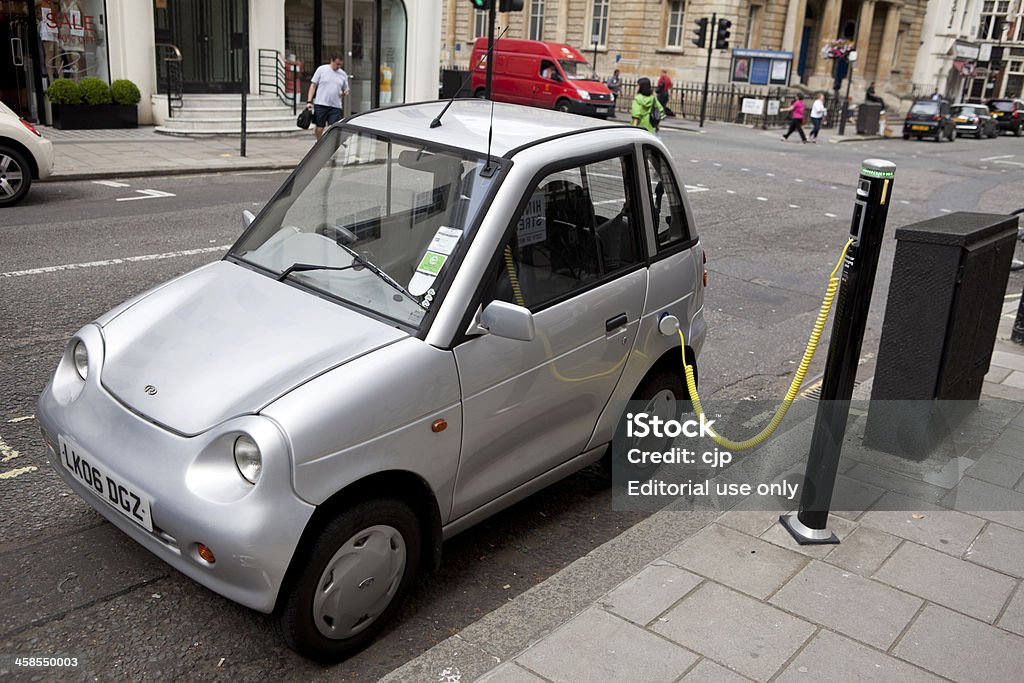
(722, 34)
(510, 5)
(701, 32)
(481, 5)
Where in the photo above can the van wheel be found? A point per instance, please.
(479, 93)
(563, 106)
(353, 578)
(15, 176)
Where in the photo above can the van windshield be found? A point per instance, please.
(578, 71)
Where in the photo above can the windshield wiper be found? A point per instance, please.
(359, 259)
(302, 267)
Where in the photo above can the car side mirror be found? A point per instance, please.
(247, 218)
(503, 319)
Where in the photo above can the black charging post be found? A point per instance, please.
(870, 209)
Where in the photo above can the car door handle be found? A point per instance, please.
(615, 323)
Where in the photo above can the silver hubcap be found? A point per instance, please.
(359, 582)
(10, 176)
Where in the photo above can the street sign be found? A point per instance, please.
(773, 107)
(753, 106)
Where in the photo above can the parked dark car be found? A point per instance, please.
(974, 119)
(929, 119)
(1009, 114)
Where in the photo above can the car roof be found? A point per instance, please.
(467, 122)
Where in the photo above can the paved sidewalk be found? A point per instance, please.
(915, 593)
(87, 154)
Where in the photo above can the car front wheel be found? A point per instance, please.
(1017, 131)
(952, 135)
(351, 580)
(15, 177)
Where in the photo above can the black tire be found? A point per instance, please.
(906, 136)
(562, 105)
(295, 612)
(952, 135)
(479, 93)
(1017, 131)
(657, 382)
(15, 176)
(978, 134)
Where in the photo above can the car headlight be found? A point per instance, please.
(248, 459)
(584, 95)
(81, 358)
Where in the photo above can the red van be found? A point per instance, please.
(541, 74)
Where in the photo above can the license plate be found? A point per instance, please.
(997, 114)
(960, 119)
(919, 128)
(601, 110)
(114, 490)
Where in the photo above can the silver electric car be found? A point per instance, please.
(425, 324)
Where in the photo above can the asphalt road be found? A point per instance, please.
(772, 216)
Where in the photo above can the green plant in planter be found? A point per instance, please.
(125, 92)
(94, 91)
(64, 91)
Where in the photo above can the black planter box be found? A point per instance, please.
(92, 116)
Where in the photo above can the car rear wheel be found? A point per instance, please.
(1017, 131)
(978, 133)
(351, 580)
(952, 135)
(906, 136)
(662, 393)
(15, 176)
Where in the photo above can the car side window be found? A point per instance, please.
(669, 217)
(579, 226)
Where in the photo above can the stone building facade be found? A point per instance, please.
(641, 37)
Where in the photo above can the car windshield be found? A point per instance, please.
(371, 221)
(1004, 105)
(929, 108)
(578, 71)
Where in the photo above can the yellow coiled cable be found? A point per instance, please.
(798, 379)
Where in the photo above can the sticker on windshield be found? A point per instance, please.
(431, 263)
(445, 240)
(532, 227)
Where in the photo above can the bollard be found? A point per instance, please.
(1017, 335)
(870, 208)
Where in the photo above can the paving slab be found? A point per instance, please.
(864, 550)
(962, 649)
(656, 588)
(998, 468)
(750, 522)
(508, 672)
(709, 672)
(735, 630)
(891, 481)
(597, 646)
(1005, 359)
(1013, 617)
(997, 374)
(1015, 380)
(739, 561)
(947, 531)
(1001, 548)
(988, 501)
(830, 657)
(451, 659)
(860, 608)
(939, 578)
(1011, 442)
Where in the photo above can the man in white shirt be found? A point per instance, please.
(818, 112)
(329, 85)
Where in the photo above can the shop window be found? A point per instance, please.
(73, 38)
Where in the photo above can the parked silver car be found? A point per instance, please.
(419, 329)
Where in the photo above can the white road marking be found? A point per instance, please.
(799, 180)
(945, 211)
(6, 452)
(20, 419)
(793, 206)
(744, 169)
(112, 262)
(1014, 163)
(762, 199)
(18, 472)
(904, 201)
(730, 191)
(717, 165)
(694, 161)
(831, 215)
(694, 188)
(147, 194)
(110, 183)
(770, 175)
(1004, 156)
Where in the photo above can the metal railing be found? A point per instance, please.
(274, 78)
(172, 77)
(725, 103)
